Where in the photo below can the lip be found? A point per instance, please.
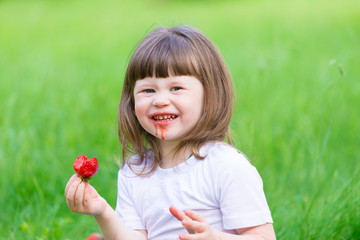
(162, 122)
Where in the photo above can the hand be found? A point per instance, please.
(81, 197)
(195, 224)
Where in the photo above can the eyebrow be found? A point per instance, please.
(175, 82)
(141, 85)
(144, 83)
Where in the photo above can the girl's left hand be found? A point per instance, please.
(195, 224)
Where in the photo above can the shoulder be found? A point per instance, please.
(223, 153)
(226, 160)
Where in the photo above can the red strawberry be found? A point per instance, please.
(95, 236)
(86, 167)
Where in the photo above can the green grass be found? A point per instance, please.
(296, 70)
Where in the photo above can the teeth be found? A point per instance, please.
(164, 117)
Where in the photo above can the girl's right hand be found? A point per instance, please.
(82, 198)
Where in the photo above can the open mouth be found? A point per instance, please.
(165, 117)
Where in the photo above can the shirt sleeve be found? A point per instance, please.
(242, 199)
(125, 205)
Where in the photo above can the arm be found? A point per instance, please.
(82, 198)
(199, 229)
(112, 228)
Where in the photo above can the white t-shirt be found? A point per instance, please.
(224, 188)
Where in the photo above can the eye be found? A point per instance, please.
(176, 88)
(148, 90)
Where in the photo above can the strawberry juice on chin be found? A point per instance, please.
(160, 126)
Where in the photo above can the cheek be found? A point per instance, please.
(198, 108)
(141, 110)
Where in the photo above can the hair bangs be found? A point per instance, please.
(170, 56)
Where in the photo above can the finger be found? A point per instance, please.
(89, 191)
(194, 226)
(185, 236)
(70, 194)
(79, 195)
(194, 216)
(180, 215)
(71, 180)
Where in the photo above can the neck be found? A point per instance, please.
(170, 158)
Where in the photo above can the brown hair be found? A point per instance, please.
(176, 51)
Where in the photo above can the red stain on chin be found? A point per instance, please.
(156, 130)
(162, 130)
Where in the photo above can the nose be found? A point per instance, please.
(161, 99)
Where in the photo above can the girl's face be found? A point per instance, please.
(168, 107)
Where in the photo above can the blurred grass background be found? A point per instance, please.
(296, 70)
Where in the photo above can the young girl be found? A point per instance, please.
(179, 180)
